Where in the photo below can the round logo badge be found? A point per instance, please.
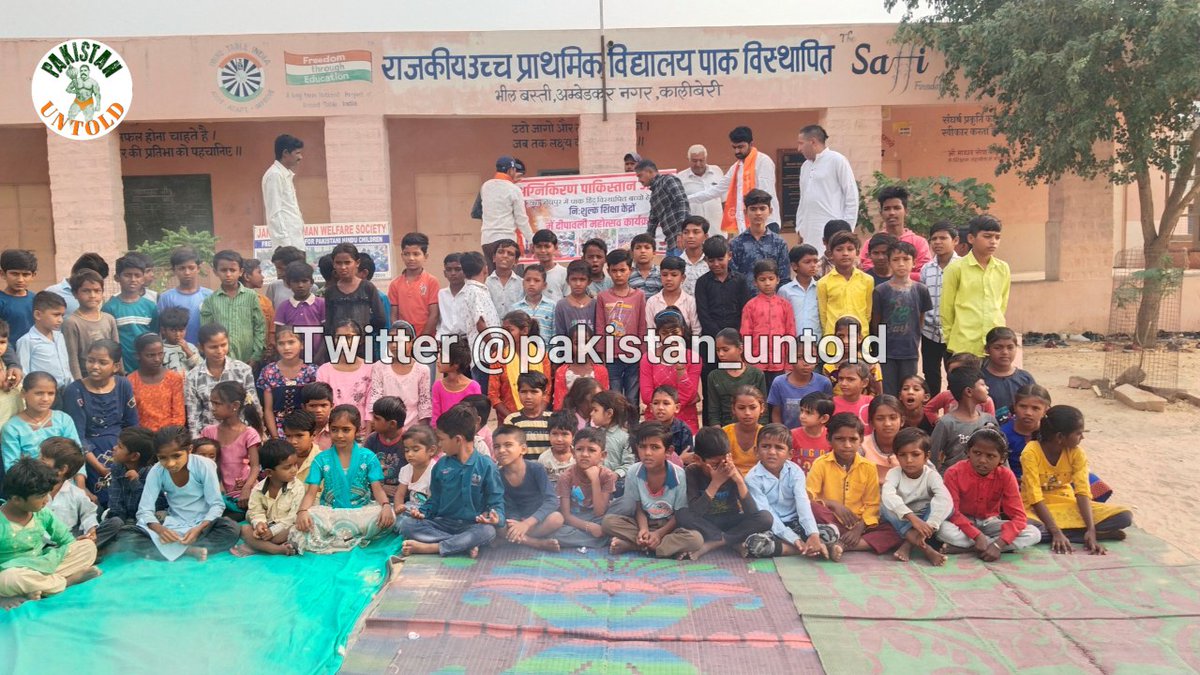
(240, 77)
(82, 89)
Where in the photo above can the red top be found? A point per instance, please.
(982, 497)
(770, 316)
(560, 388)
(653, 375)
(806, 449)
(412, 298)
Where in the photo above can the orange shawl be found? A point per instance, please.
(729, 223)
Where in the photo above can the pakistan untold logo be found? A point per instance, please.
(89, 81)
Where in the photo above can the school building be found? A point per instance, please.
(402, 128)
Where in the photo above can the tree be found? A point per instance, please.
(1066, 78)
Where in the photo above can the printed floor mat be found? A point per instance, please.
(1136, 609)
(518, 611)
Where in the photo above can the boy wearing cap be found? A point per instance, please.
(504, 215)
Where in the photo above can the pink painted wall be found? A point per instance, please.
(27, 146)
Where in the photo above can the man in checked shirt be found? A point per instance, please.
(668, 204)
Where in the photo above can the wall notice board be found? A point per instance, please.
(157, 203)
(789, 162)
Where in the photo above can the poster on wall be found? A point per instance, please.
(319, 239)
(612, 207)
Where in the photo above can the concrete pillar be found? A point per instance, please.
(855, 132)
(1079, 232)
(603, 144)
(358, 169)
(87, 199)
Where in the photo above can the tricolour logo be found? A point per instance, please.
(240, 76)
(328, 68)
(82, 89)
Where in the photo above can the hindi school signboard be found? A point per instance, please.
(320, 238)
(612, 207)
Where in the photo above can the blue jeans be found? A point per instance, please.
(452, 536)
(901, 525)
(623, 379)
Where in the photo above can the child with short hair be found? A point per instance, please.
(545, 249)
(842, 330)
(532, 419)
(672, 295)
(179, 355)
(945, 401)
(132, 457)
(1032, 402)
(483, 433)
(645, 275)
(317, 399)
(450, 320)
(577, 307)
(852, 380)
(277, 291)
(414, 293)
(347, 479)
(1055, 487)
(29, 568)
(252, 279)
(558, 459)
(16, 302)
(238, 432)
(766, 320)
(757, 243)
(949, 438)
(535, 302)
(683, 374)
(844, 489)
(456, 383)
(386, 440)
(809, 440)
(786, 393)
(975, 290)
(466, 495)
(584, 492)
(659, 492)
(530, 502)
(879, 447)
(193, 524)
(280, 381)
(188, 294)
(900, 303)
(101, 405)
(611, 414)
(914, 394)
(693, 235)
(620, 311)
(778, 487)
(274, 501)
(420, 454)
(24, 432)
(302, 308)
(915, 501)
(664, 410)
(347, 372)
(801, 291)
(366, 272)
(582, 365)
(218, 366)
(503, 388)
(721, 293)
(942, 239)
(877, 249)
(70, 503)
(720, 506)
(299, 428)
(723, 381)
(988, 518)
(43, 347)
(595, 255)
(1003, 378)
(847, 290)
(832, 227)
(87, 323)
(134, 312)
(742, 435)
(504, 285)
(477, 309)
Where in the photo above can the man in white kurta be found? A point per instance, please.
(733, 221)
(827, 188)
(284, 222)
(698, 177)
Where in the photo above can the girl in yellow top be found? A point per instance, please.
(1055, 489)
(502, 386)
(748, 406)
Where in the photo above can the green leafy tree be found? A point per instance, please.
(1098, 88)
(160, 251)
(930, 200)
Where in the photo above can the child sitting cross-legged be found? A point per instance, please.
(466, 494)
(530, 502)
(348, 478)
(584, 492)
(915, 501)
(984, 490)
(720, 506)
(659, 492)
(844, 489)
(778, 487)
(558, 459)
(68, 501)
(132, 457)
(420, 454)
(274, 500)
(29, 568)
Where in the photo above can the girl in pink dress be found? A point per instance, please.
(238, 433)
(408, 382)
(347, 373)
(456, 383)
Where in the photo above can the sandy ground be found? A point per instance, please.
(1148, 458)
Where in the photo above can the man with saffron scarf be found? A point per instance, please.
(753, 170)
(504, 215)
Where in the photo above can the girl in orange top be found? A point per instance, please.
(157, 390)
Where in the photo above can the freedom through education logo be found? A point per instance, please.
(328, 68)
(82, 89)
(240, 76)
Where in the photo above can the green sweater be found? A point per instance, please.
(722, 385)
(26, 547)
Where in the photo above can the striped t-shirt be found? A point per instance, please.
(537, 432)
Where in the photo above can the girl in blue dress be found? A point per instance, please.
(101, 405)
